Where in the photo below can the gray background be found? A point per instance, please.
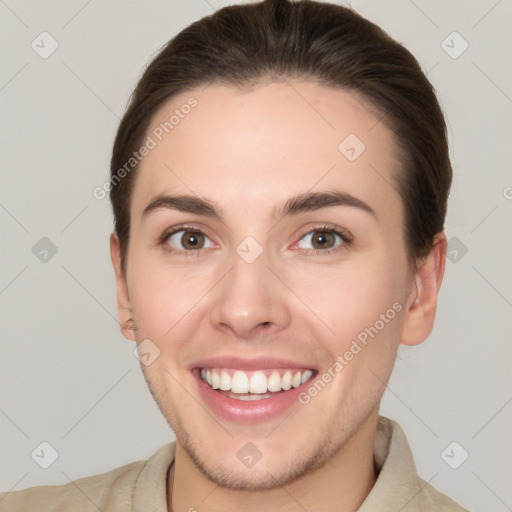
(69, 378)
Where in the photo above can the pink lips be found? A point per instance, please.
(254, 411)
(259, 363)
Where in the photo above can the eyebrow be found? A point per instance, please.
(308, 201)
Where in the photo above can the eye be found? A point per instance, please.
(323, 239)
(184, 239)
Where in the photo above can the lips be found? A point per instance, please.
(249, 391)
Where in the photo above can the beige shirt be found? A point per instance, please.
(141, 486)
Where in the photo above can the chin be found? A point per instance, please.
(262, 475)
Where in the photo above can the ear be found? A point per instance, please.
(123, 298)
(421, 306)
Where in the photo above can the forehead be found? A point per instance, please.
(247, 149)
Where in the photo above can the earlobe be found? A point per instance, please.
(123, 298)
(421, 307)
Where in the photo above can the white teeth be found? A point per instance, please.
(305, 376)
(248, 398)
(240, 382)
(215, 380)
(274, 382)
(286, 382)
(225, 381)
(296, 380)
(258, 383)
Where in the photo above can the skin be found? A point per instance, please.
(249, 150)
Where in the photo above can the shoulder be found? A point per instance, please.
(432, 499)
(109, 491)
(89, 493)
(398, 485)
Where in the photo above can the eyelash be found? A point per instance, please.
(346, 239)
(326, 228)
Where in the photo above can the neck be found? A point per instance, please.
(341, 484)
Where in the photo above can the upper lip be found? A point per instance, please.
(255, 363)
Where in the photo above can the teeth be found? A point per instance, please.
(305, 376)
(215, 380)
(248, 397)
(225, 381)
(240, 382)
(296, 380)
(287, 381)
(274, 382)
(258, 383)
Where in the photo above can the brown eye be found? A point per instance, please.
(319, 239)
(187, 240)
(192, 240)
(323, 239)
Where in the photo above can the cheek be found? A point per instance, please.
(352, 296)
(163, 299)
(365, 316)
(338, 301)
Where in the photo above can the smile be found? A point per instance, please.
(255, 394)
(254, 385)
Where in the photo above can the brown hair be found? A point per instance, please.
(330, 44)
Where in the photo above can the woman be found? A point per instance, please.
(279, 185)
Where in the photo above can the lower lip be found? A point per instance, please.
(248, 412)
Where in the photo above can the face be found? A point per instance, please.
(283, 271)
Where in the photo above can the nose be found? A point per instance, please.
(250, 300)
